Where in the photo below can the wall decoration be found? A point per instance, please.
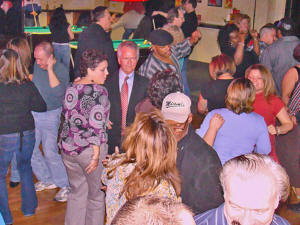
(228, 4)
(217, 3)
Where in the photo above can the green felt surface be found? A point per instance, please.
(46, 30)
(140, 42)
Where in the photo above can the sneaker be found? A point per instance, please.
(40, 186)
(62, 195)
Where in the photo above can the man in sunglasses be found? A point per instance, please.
(198, 164)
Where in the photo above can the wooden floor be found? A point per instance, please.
(52, 213)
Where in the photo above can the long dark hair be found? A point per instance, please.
(58, 19)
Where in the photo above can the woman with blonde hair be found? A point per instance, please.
(21, 46)
(243, 131)
(18, 97)
(148, 165)
(267, 104)
(212, 96)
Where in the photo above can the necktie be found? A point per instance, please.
(124, 103)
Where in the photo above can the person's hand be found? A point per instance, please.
(294, 120)
(196, 35)
(272, 129)
(254, 34)
(51, 61)
(92, 166)
(103, 188)
(106, 160)
(242, 37)
(109, 125)
(216, 121)
(108, 157)
(154, 13)
(33, 13)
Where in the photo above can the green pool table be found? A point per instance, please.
(143, 44)
(46, 30)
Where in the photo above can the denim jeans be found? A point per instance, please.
(49, 167)
(127, 33)
(10, 143)
(186, 88)
(62, 54)
(14, 173)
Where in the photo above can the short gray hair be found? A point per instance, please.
(252, 164)
(128, 44)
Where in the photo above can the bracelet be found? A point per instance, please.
(95, 159)
(277, 131)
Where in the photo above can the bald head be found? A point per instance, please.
(42, 53)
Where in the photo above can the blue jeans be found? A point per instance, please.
(14, 173)
(62, 54)
(127, 33)
(10, 143)
(186, 88)
(49, 167)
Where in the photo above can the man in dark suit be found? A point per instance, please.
(97, 36)
(125, 90)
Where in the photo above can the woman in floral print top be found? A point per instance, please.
(83, 139)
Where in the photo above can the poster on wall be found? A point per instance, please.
(217, 3)
(228, 4)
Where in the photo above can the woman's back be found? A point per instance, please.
(115, 199)
(240, 134)
(16, 103)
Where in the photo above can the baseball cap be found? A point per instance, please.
(176, 107)
(160, 37)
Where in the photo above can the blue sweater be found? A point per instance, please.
(52, 96)
(240, 134)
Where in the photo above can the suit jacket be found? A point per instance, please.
(96, 38)
(138, 93)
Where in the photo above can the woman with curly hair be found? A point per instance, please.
(148, 165)
(83, 139)
(243, 131)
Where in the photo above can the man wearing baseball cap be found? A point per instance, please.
(197, 162)
(165, 56)
(278, 57)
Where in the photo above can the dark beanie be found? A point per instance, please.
(160, 37)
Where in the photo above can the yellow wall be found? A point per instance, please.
(266, 11)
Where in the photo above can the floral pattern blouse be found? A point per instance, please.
(115, 187)
(86, 113)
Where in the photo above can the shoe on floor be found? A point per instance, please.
(62, 195)
(13, 184)
(40, 186)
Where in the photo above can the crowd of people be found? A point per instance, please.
(118, 140)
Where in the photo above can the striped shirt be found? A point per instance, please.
(153, 64)
(216, 217)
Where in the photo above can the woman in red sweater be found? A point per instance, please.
(267, 104)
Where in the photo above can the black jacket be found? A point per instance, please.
(199, 167)
(138, 93)
(94, 37)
